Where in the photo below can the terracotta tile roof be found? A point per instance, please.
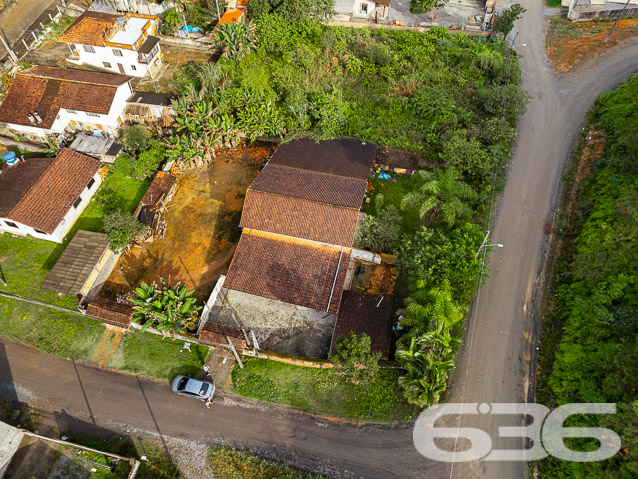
(213, 334)
(349, 158)
(385, 3)
(111, 312)
(299, 218)
(311, 185)
(291, 270)
(89, 28)
(365, 313)
(52, 195)
(159, 188)
(47, 90)
(16, 181)
(77, 262)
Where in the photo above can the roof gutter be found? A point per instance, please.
(335, 281)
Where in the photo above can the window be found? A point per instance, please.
(117, 53)
(77, 202)
(364, 8)
(91, 183)
(89, 48)
(11, 224)
(106, 64)
(92, 114)
(71, 111)
(133, 67)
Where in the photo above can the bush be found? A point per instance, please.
(135, 137)
(380, 234)
(353, 359)
(504, 23)
(121, 228)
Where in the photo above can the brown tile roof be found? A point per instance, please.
(159, 188)
(47, 90)
(349, 158)
(111, 312)
(311, 185)
(365, 313)
(291, 270)
(52, 195)
(15, 181)
(385, 3)
(77, 262)
(299, 218)
(213, 334)
(89, 28)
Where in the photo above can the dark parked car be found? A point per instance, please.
(194, 388)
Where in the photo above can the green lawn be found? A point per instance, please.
(392, 193)
(553, 3)
(316, 391)
(27, 261)
(77, 337)
(229, 463)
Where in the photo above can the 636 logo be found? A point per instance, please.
(546, 433)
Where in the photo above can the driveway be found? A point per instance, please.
(494, 364)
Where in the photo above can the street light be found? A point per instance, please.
(483, 245)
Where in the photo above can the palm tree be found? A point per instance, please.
(431, 304)
(426, 361)
(441, 194)
(236, 39)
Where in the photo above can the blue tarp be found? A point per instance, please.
(384, 176)
(98, 133)
(188, 28)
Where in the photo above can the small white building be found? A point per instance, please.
(44, 101)
(362, 10)
(120, 44)
(43, 197)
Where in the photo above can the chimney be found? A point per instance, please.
(31, 118)
(37, 117)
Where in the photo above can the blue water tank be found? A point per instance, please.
(10, 158)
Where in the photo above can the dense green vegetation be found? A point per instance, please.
(590, 344)
(319, 391)
(229, 463)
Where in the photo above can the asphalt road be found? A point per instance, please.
(495, 360)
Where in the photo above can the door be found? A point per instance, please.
(121, 67)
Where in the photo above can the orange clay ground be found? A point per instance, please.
(202, 227)
(569, 45)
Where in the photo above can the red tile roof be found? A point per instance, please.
(111, 312)
(47, 90)
(49, 198)
(159, 188)
(365, 313)
(311, 185)
(299, 218)
(89, 28)
(290, 270)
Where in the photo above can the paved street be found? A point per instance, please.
(495, 361)
(17, 20)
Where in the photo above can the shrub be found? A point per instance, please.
(121, 227)
(353, 359)
(135, 137)
(380, 234)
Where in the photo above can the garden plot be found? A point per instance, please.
(202, 227)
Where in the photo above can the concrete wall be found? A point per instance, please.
(578, 14)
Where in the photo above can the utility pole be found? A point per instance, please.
(616, 22)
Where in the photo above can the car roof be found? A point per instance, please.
(194, 386)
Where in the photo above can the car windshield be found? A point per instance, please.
(182, 384)
(203, 390)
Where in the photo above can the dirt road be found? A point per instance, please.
(495, 361)
(18, 19)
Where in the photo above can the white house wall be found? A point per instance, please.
(65, 225)
(128, 60)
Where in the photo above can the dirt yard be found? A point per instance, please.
(570, 45)
(203, 227)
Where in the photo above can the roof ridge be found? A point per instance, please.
(44, 77)
(318, 172)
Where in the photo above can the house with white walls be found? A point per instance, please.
(362, 10)
(122, 44)
(45, 101)
(43, 197)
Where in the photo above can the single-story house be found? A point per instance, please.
(362, 10)
(149, 108)
(104, 148)
(80, 264)
(119, 43)
(294, 255)
(43, 197)
(44, 101)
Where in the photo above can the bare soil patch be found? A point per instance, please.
(570, 45)
(203, 227)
